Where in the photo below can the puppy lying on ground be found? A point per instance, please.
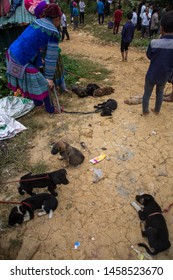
(155, 228)
(81, 92)
(92, 90)
(106, 108)
(49, 180)
(70, 154)
(103, 91)
(25, 211)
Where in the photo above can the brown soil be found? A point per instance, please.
(139, 159)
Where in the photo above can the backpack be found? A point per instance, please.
(110, 24)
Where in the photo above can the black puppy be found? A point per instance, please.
(25, 211)
(49, 180)
(155, 228)
(90, 88)
(106, 108)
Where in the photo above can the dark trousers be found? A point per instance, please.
(116, 27)
(81, 19)
(47, 102)
(101, 17)
(65, 32)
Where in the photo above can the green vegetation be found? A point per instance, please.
(82, 68)
(14, 156)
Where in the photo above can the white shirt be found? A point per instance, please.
(63, 20)
(134, 18)
(82, 6)
(145, 19)
(142, 10)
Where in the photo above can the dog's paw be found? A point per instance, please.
(50, 214)
(41, 213)
(136, 206)
(60, 158)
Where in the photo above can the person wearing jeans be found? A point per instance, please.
(147, 94)
(160, 54)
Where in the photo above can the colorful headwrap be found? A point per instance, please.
(74, 4)
(40, 8)
(52, 11)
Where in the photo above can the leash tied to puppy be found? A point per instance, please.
(25, 180)
(15, 202)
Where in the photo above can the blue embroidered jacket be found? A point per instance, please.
(39, 35)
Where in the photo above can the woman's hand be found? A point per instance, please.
(51, 83)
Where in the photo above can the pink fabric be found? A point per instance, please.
(27, 94)
(4, 7)
(30, 5)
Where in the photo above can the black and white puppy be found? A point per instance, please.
(49, 180)
(154, 225)
(46, 202)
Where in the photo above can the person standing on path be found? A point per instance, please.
(160, 54)
(82, 11)
(127, 34)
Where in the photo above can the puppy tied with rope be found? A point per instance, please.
(24, 211)
(106, 108)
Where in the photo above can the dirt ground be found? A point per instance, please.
(139, 159)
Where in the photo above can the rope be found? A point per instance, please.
(9, 202)
(73, 112)
(60, 112)
(167, 209)
(25, 180)
(14, 202)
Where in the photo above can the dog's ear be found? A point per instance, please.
(62, 146)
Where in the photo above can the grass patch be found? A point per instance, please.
(83, 68)
(15, 155)
(39, 167)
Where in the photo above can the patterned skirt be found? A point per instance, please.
(33, 85)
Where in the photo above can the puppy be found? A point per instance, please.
(155, 228)
(90, 88)
(49, 180)
(106, 108)
(103, 91)
(70, 154)
(81, 92)
(25, 211)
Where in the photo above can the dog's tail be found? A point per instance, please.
(148, 249)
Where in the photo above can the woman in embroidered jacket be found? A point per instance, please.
(26, 51)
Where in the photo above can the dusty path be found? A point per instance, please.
(139, 159)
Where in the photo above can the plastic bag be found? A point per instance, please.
(15, 107)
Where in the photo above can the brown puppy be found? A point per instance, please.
(70, 154)
(103, 91)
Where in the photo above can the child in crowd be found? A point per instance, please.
(160, 53)
(118, 14)
(134, 17)
(82, 10)
(100, 10)
(64, 26)
(75, 15)
(127, 34)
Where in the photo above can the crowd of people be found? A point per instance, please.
(35, 65)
